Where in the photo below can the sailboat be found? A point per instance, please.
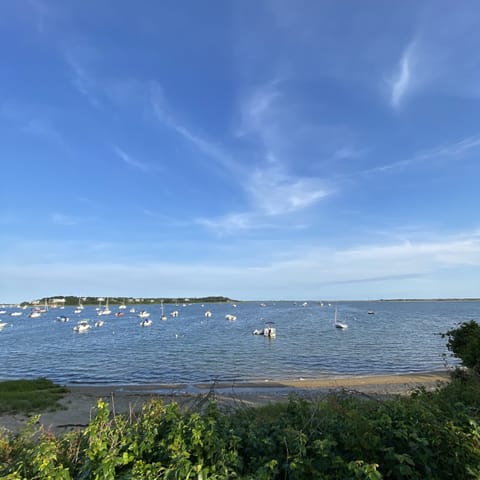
(340, 325)
(163, 316)
(105, 310)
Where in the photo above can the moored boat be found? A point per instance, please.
(82, 326)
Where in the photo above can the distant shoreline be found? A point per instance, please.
(228, 300)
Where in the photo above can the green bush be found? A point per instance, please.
(429, 435)
(464, 343)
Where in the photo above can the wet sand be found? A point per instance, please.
(79, 404)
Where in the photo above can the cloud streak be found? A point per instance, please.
(403, 79)
(301, 275)
(130, 161)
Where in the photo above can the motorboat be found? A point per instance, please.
(34, 314)
(16, 314)
(3, 325)
(208, 313)
(143, 314)
(174, 313)
(230, 317)
(146, 323)
(119, 314)
(63, 318)
(269, 330)
(82, 326)
(99, 323)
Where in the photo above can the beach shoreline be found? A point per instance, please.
(78, 405)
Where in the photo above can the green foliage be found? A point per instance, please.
(464, 343)
(429, 435)
(27, 396)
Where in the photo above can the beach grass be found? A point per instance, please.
(30, 396)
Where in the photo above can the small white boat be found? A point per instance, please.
(34, 314)
(174, 313)
(338, 324)
(208, 313)
(82, 326)
(2, 325)
(145, 323)
(132, 310)
(63, 318)
(16, 314)
(270, 330)
(99, 323)
(77, 310)
(143, 314)
(371, 312)
(105, 310)
(230, 317)
(2, 312)
(122, 306)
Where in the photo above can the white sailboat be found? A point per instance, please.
(105, 310)
(163, 316)
(338, 324)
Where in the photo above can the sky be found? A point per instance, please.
(256, 150)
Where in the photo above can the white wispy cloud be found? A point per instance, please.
(310, 272)
(403, 78)
(230, 223)
(129, 160)
(454, 151)
(275, 193)
(82, 80)
(163, 112)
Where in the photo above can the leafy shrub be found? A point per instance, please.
(429, 435)
(464, 343)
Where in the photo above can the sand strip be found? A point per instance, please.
(79, 404)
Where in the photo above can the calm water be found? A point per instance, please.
(400, 337)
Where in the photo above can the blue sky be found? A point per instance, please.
(257, 150)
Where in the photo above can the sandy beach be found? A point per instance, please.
(79, 404)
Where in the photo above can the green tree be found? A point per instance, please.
(464, 343)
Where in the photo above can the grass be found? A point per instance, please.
(30, 396)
